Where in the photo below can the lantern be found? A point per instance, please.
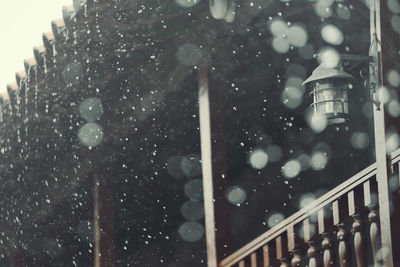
(330, 88)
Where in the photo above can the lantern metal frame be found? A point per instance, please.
(337, 80)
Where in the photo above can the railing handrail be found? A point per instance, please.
(302, 214)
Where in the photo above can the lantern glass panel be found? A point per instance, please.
(331, 99)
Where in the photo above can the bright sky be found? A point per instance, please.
(22, 23)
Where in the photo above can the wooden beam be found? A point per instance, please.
(103, 217)
(214, 170)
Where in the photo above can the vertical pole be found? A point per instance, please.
(213, 157)
(206, 162)
(96, 220)
(379, 131)
(104, 243)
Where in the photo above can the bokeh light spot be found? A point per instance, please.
(258, 159)
(90, 134)
(317, 122)
(274, 219)
(236, 195)
(329, 57)
(394, 6)
(318, 160)
(393, 78)
(91, 109)
(394, 108)
(189, 54)
(332, 35)
(191, 165)
(292, 97)
(297, 36)
(191, 231)
(343, 12)
(72, 73)
(192, 210)
(306, 199)
(359, 140)
(278, 27)
(392, 141)
(174, 167)
(395, 21)
(194, 189)
(291, 168)
(187, 3)
(280, 44)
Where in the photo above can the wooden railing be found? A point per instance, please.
(341, 228)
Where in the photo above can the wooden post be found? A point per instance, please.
(214, 169)
(103, 217)
(379, 131)
(96, 221)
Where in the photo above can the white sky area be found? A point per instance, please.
(22, 23)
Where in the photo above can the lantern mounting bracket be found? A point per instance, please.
(349, 62)
(355, 59)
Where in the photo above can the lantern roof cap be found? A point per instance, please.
(323, 72)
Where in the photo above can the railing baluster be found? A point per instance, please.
(242, 264)
(297, 260)
(294, 243)
(344, 248)
(312, 254)
(266, 256)
(359, 240)
(339, 214)
(269, 255)
(356, 208)
(281, 251)
(312, 251)
(328, 256)
(373, 219)
(253, 259)
(284, 263)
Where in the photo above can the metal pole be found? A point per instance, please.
(379, 131)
